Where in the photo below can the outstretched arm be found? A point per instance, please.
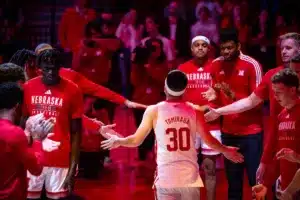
(240, 106)
(138, 137)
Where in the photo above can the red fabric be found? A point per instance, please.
(64, 102)
(90, 88)
(242, 76)
(95, 63)
(148, 82)
(91, 138)
(287, 136)
(90, 124)
(71, 27)
(264, 91)
(199, 80)
(16, 158)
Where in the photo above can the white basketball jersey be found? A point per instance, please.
(175, 132)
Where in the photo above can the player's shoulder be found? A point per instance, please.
(273, 71)
(68, 84)
(218, 60)
(33, 81)
(16, 134)
(249, 60)
(185, 66)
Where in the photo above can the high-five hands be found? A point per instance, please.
(232, 154)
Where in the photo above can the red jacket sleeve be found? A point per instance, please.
(90, 124)
(271, 141)
(29, 155)
(76, 103)
(255, 74)
(262, 90)
(88, 87)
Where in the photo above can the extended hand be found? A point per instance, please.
(210, 94)
(259, 192)
(49, 145)
(111, 143)
(232, 154)
(287, 154)
(211, 115)
(131, 104)
(107, 130)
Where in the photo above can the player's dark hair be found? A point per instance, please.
(293, 35)
(229, 34)
(177, 80)
(10, 95)
(22, 56)
(287, 77)
(9, 72)
(49, 56)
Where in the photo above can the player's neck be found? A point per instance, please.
(200, 61)
(171, 98)
(292, 103)
(47, 83)
(7, 115)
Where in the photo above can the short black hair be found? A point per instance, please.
(295, 59)
(229, 34)
(22, 56)
(177, 80)
(287, 77)
(9, 72)
(50, 56)
(11, 95)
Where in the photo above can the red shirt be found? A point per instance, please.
(95, 62)
(148, 82)
(64, 102)
(88, 87)
(242, 75)
(16, 158)
(199, 80)
(264, 91)
(287, 136)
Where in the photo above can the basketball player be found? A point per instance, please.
(24, 57)
(294, 186)
(290, 47)
(198, 71)
(285, 86)
(17, 154)
(176, 124)
(47, 94)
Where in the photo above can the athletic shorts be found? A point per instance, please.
(205, 149)
(53, 178)
(184, 193)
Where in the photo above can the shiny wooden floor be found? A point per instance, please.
(124, 180)
(134, 183)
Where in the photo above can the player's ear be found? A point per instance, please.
(238, 46)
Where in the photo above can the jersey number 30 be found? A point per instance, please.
(180, 139)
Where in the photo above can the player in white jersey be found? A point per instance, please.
(175, 125)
